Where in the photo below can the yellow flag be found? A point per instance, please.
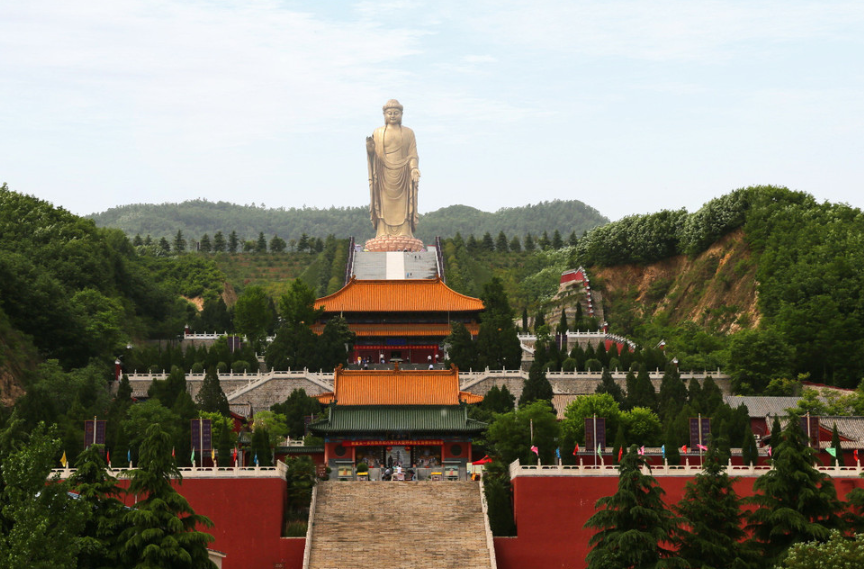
(63, 460)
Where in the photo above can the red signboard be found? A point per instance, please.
(390, 443)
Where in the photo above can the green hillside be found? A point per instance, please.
(198, 217)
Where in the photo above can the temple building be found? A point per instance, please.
(415, 419)
(399, 320)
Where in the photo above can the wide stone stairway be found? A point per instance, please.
(395, 265)
(406, 525)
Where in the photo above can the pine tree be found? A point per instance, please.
(630, 387)
(137, 241)
(524, 319)
(607, 385)
(233, 242)
(277, 244)
(501, 243)
(673, 393)
(711, 534)
(515, 245)
(211, 398)
(101, 545)
(179, 242)
(837, 459)
(544, 242)
(536, 387)
(749, 450)
(460, 348)
(261, 446)
(261, 243)
(694, 395)
(164, 246)
(572, 240)
(562, 324)
(498, 346)
(557, 241)
(204, 245)
(643, 391)
(539, 320)
(794, 501)
(529, 243)
(218, 242)
(634, 524)
(162, 525)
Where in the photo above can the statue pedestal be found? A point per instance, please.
(394, 243)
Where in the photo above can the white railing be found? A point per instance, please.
(278, 471)
(307, 548)
(490, 542)
(471, 378)
(687, 469)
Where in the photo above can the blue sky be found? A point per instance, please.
(631, 107)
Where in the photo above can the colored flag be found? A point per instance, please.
(855, 454)
(599, 450)
(235, 455)
(173, 455)
(684, 449)
(557, 453)
(63, 460)
(769, 451)
(535, 450)
(213, 456)
(576, 450)
(641, 451)
(108, 456)
(620, 453)
(193, 457)
(256, 459)
(832, 451)
(702, 447)
(663, 450)
(129, 456)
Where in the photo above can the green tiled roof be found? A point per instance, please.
(393, 418)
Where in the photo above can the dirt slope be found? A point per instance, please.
(715, 289)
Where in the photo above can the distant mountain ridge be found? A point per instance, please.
(197, 217)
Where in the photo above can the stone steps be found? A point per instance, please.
(411, 525)
(373, 265)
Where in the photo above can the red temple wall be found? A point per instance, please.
(550, 512)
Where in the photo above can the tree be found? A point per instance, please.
(643, 425)
(334, 344)
(98, 492)
(573, 426)
(839, 552)
(211, 398)
(167, 390)
(204, 245)
(253, 314)
(218, 242)
(40, 522)
(515, 245)
(163, 526)
(529, 243)
(233, 242)
(487, 244)
(179, 242)
(498, 346)
(562, 324)
(572, 240)
(673, 393)
(749, 450)
(510, 433)
(261, 243)
(499, 400)
(164, 246)
(633, 525)
(501, 244)
(794, 501)
(711, 534)
(536, 387)
(277, 245)
(296, 408)
(643, 394)
(544, 243)
(607, 385)
(557, 241)
(755, 358)
(499, 498)
(837, 459)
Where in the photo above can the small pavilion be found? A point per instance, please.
(387, 418)
(399, 320)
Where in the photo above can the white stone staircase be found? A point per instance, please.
(373, 265)
(410, 525)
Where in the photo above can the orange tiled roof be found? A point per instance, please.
(414, 295)
(397, 387)
(408, 329)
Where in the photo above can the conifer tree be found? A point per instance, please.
(749, 450)
(673, 393)
(572, 240)
(498, 346)
(794, 501)
(562, 324)
(233, 242)
(137, 241)
(162, 527)
(630, 387)
(633, 525)
(529, 243)
(837, 459)
(100, 540)
(261, 243)
(487, 244)
(643, 394)
(515, 245)
(164, 246)
(711, 533)
(211, 398)
(557, 241)
(607, 385)
(536, 387)
(544, 243)
(694, 395)
(525, 319)
(460, 348)
(218, 242)
(539, 320)
(501, 242)
(179, 242)
(204, 245)
(712, 397)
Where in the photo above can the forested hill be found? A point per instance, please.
(198, 217)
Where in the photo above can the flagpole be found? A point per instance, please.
(94, 429)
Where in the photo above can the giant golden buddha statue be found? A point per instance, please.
(391, 152)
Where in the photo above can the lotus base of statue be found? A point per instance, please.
(394, 243)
